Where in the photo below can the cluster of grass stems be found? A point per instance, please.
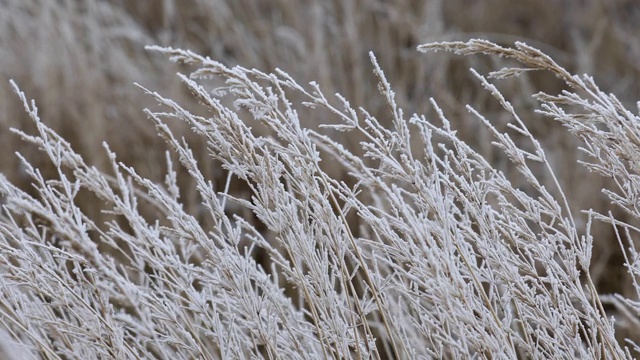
(422, 250)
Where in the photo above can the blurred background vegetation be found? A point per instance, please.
(79, 60)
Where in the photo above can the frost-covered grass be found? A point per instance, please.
(423, 250)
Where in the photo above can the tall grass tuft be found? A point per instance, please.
(424, 249)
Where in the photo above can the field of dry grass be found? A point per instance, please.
(80, 60)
